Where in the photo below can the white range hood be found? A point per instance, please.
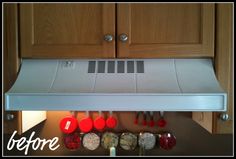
(117, 85)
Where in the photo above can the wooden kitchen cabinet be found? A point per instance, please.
(67, 30)
(21, 121)
(224, 72)
(224, 63)
(166, 30)
(152, 30)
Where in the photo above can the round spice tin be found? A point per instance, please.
(128, 141)
(72, 141)
(109, 140)
(91, 141)
(147, 140)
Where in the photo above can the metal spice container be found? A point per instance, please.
(91, 141)
(146, 141)
(128, 141)
(110, 141)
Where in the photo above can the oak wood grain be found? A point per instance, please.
(67, 30)
(224, 62)
(165, 23)
(11, 61)
(166, 30)
(224, 72)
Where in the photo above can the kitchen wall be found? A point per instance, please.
(192, 139)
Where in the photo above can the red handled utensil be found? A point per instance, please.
(161, 122)
(111, 121)
(86, 124)
(99, 123)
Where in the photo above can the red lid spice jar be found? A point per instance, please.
(111, 121)
(86, 124)
(69, 124)
(99, 123)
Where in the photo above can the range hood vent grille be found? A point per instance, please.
(116, 66)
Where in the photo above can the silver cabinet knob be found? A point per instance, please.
(123, 37)
(224, 116)
(108, 38)
(10, 117)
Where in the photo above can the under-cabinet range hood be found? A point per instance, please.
(117, 85)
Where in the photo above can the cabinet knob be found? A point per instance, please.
(108, 38)
(10, 117)
(224, 116)
(123, 37)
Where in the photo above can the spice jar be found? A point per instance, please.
(91, 141)
(146, 141)
(110, 141)
(128, 141)
(72, 141)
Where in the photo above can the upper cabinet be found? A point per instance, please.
(165, 30)
(67, 30)
(143, 30)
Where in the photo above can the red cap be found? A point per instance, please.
(86, 124)
(72, 141)
(111, 122)
(167, 141)
(68, 124)
(99, 123)
(161, 123)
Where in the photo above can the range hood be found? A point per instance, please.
(116, 85)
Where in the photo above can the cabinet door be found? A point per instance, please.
(166, 30)
(11, 63)
(224, 63)
(67, 30)
(224, 71)
(20, 121)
